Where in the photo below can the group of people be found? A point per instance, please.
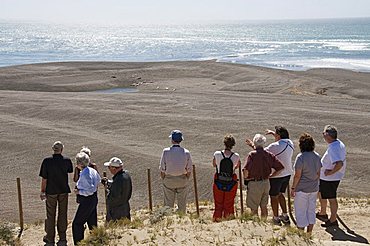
(55, 190)
(266, 172)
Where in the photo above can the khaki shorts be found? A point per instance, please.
(258, 194)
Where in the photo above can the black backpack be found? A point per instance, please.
(224, 177)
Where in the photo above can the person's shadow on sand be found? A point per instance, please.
(340, 235)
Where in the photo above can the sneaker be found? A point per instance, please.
(45, 240)
(285, 219)
(62, 243)
(276, 221)
(322, 217)
(328, 223)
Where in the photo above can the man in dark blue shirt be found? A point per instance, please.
(54, 188)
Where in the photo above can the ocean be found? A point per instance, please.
(292, 45)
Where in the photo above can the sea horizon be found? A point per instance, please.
(281, 44)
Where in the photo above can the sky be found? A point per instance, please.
(177, 11)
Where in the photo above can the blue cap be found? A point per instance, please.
(176, 136)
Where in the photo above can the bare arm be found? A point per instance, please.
(276, 173)
(214, 162)
(337, 166)
(249, 143)
(271, 132)
(76, 174)
(43, 189)
(277, 166)
(297, 177)
(43, 185)
(238, 165)
(245, 173)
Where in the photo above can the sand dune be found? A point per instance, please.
(42, 103)
(162, 227)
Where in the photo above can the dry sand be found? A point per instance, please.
(42, 103)
(163, 228)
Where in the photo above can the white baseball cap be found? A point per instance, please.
(114, 162)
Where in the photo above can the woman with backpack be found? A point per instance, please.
(225, 180)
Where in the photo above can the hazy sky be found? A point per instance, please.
(171, 11)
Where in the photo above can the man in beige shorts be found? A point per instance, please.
(257, 171)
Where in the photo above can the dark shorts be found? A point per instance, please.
(278, 185)
(328, 189)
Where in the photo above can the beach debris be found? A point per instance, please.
(113, 77)
(213, 83)
(157, 88)
(166, 88)
(322, 91)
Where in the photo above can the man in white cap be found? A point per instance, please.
(119, 190)
(54, 188)
(175, 167)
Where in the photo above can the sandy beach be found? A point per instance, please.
(42, 103)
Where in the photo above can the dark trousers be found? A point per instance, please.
(52, 201)
(117, 213)
(86, 212)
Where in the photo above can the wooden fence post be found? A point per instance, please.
(150, 191)
(241, 191)
(290, 206)
(105, 193)
(196, 190)
(21, 222)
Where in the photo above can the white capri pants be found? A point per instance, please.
(304, 207)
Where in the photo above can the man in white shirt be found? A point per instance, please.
(332, 172)
(283, 149)
(175, 167)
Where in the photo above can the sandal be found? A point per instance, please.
(322, 217)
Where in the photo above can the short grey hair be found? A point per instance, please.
(331, 131)
(259, 140)
(86, 150)
(82, 159)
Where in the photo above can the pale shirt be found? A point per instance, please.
(235, 158)
(336, 152)
(176, 161)
(88, 182)
(284, 157)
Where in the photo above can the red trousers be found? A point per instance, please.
(224, 202)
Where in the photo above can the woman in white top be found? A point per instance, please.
(225, 180)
